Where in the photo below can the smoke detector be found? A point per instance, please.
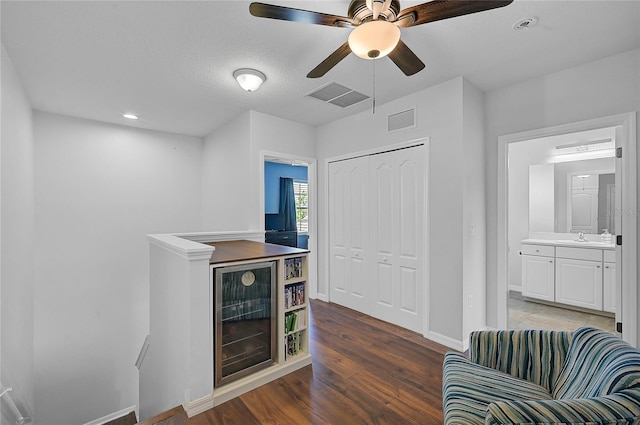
(525, 23)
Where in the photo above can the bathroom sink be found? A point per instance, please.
(585, 243)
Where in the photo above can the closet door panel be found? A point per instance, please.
(410, 211)
(384, 273)
(384, 288)
(338, 258)
(409, 291)
(382, 211)
(348, 230)
(397, 199)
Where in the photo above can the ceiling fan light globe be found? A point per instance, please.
(380, 36)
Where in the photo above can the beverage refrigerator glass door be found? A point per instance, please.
(245, 316)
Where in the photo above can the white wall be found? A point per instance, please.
(601, 88)
(231, 161)
(521, 156)
(17, 230)
(226, 177)
(439, 116)
(99, 190)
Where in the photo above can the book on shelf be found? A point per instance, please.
(292, 268)
(292, 344)
(294, 295)
(295, 321)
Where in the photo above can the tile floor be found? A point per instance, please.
(524, 314)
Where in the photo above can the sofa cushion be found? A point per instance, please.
(617, 409)
(534, 355)
(598, 364)
(468, 389)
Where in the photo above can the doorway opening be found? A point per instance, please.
(302, 173)
(557, 188)
(549, 199)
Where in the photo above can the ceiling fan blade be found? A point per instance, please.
(405, 59)
(331, 61)
(262, 10)
(443, 9)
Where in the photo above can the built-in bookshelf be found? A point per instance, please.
(294, 303)
(240, 272)
(248, 298)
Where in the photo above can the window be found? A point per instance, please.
(301, 194)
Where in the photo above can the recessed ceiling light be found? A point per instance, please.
(130, 116)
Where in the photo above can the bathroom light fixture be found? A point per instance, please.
(249, 79)
(130, 116)
(374, 39)
(585, 150)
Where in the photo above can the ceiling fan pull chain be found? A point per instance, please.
(374, 86)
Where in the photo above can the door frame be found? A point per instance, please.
(626, 259)
(313, 208)
(425, 242)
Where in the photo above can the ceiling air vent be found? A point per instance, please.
(401, 120)
(338, 95)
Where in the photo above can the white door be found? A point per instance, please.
(349, 233)
(397, 208)
(584, 211)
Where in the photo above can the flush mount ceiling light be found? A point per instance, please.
(249, 79)
(130, 116)
(374, 39)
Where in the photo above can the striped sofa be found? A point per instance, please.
(543, 377)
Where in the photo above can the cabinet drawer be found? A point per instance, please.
(579, 253)
(542, 250)
(609, 256)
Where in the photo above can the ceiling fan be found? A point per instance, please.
(377, 26)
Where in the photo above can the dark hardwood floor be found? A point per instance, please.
(364, 371)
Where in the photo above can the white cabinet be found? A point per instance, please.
(579, 277)
(538, 272)
(609, 287)
(583, 277)
(579, 283)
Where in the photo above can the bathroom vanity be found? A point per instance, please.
(568, 272)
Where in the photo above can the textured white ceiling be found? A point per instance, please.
(171, 62)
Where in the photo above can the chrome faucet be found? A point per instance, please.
(581, 237)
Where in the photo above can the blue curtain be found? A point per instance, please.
(287, 203)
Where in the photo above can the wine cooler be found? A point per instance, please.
(245, 316)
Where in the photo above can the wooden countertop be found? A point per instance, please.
(230, 251)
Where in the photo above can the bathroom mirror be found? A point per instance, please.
(572, 197)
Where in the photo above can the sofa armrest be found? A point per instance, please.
(534, 355)
(620, 408)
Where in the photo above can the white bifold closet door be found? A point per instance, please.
(349, 233)
(376, 218)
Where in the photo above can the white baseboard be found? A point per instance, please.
(198, 406)
(235, 389)
(322, 297)
(447, 341)
(515, 288)
(112, 416)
